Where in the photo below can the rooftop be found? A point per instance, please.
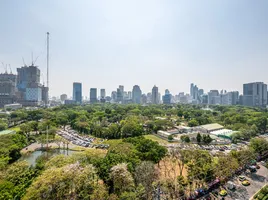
(211, 127)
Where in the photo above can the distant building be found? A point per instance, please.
(255, 94)
(69, 102)
(167, 97)
(13, 106)
(77, 92)
(93, 95)
(119, 95)
(113, 96)
(230, 98)
(102, 93)
(144, 99)
(63, 97)
(8, 90)
(136, 94)
(28, 84)
(155, 98)
(129, 94)
(213, 97)
(200, 92)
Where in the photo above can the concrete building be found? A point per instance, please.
(93, 95)
(8, 90)
(213, 97)
(13, 106)
(69, 102)
(144, 99)
(230, 98)
(119, 95)
(255, 94)
(63, 97)
(136, 94)
(129, 94)
(113, 96)
(155, 98)
(102, 95)
(77, 92)
(167, 97)
(32, 93)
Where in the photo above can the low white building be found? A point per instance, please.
(13, 106)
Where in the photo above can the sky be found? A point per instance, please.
(168, 43)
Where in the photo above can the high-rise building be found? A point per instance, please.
(143, 99)
(192, 90)
(213, 97)
(200, 92)
(136, 94)
(113, 96)
(77, 92)
(167, 97)
(155, 95)
(93, 95)
(8, 88)
(102, 93)
(129, 94)
(32, 93)
(119, 95)
(63, 97)
(255, 94)
(121, 88)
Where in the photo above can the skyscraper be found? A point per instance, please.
(7, 88)
(167, 97)
(77, 92)
(102, 93)
(213, 97)
(155, 95)
(255, 94)
(93, 95)
(63, 97)
(29, 87)
(136, 94)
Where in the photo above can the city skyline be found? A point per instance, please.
(169, 44)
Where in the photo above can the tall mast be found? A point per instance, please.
(47, 67)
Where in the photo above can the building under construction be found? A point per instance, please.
(8, 90)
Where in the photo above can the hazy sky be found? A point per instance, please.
(217, 44)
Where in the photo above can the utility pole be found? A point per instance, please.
(47, 68)
(47, 138)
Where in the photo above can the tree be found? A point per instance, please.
(193, 122)
(121, 178)
(261, 124)
(206, 139)
(170, 137)
(26, 129)
(3, 125)
(198, 138)
(259, 145)
(145, 174)
(69, 182)
(131, 129)
(185, 138)
(62, 119)
(225, 166)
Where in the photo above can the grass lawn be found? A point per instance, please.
(157, 139)
(113, 142)
(16, 128)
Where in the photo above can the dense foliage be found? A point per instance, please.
(133, 166)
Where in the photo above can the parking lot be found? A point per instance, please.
(257, 180)
(212, 148)
(75, 138)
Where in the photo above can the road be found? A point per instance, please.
(257, 181)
